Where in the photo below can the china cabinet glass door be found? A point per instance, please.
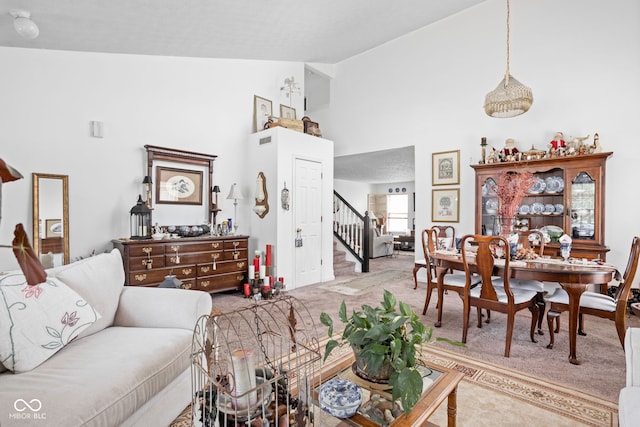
(583, 207)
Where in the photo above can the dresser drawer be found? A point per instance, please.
(223, 267)
(146, 263)
(231, 255)
(145, 250)
(184, 247)
(156, 276)
(235, 244)
(220, 282)
(192, 258)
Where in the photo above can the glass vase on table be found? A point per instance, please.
(565, 251)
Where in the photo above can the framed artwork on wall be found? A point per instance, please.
(445, 205)
(445, 168)
(262, 110)
(287, 112)
(178, 186)
(53, 228)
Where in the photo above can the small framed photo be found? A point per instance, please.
(53, 228)
(312, 128)
(445, 167)
(445, 205)
(287, 112)
(178, 186)
(261, 111)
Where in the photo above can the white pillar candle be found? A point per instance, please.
(243, 379)
(263, 271)
(252, 272)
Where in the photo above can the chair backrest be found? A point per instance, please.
(525, 239)
(445, 236)
(484, 263)
(624, 289)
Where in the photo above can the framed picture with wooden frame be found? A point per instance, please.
(53, 228)
(445, 205)
(262, 110)
(287, 112)
(178, 186)
(445, 167)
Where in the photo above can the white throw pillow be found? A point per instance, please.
(37, 321)
(99, 280)
(444, 243)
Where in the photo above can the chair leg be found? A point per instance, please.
(479, 317)
(465, 319)
(542, 306)
(488, 317)
(581, 325)
(621, 328)
(550, 316)
(507, 344)
(427, 299)
(535, 317)
(415, 275)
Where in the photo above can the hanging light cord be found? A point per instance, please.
(506, 81)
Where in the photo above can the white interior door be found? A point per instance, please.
(307, 206)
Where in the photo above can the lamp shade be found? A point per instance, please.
(147, 180)
(216, 189)
(235, 193)
(23, 24)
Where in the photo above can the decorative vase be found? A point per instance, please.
(340, 397)
(504, 225)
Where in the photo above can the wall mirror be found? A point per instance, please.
(51, 218)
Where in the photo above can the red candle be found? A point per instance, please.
(256, 264)
(268, 256)
(247, 290)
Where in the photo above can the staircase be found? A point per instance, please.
(341, 267)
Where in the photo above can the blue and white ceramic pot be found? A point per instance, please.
(340, 397)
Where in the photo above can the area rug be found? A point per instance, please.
(367, 282)
(491, 395)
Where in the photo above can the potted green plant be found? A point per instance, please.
(385, 339)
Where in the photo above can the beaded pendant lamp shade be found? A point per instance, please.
(511, 98)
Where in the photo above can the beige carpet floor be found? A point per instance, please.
(491, 395)
(601, 374)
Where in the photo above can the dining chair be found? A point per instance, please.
(452, 280)
(597, 304)
(532, 240)
(493, 294)
(445, 239)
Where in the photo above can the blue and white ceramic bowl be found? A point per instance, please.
(340, 397)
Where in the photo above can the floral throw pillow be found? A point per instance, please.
(37, 321)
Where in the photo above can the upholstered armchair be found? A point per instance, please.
(379, 244)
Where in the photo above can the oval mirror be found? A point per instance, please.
(51, 218)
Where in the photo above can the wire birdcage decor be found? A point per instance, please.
(256, 366)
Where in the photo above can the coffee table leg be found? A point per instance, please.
(452, 408)
(574, 290)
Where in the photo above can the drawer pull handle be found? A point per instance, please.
(147, 250)
(186, 286)
(174, 248)
(215, 245)
(175, 260)
(204, 284)
(215, 256)
(235, 244)
(240, 277)
(186, 271)
(240, 264)
(205, 269)
(140, 277)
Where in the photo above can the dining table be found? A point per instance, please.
(575, 277)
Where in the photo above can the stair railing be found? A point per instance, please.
(352, 229)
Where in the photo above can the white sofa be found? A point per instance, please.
(379, 244)
(629, 400)
(131, 367)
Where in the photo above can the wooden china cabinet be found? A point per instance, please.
(569, 193)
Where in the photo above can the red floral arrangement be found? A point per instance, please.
(27, 259)
(511, 189)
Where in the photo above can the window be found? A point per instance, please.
(398, 213)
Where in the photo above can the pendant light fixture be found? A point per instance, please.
(23, 24)
(511, 98)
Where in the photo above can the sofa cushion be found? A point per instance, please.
(101, 379)
(37, 321)
(99, 280)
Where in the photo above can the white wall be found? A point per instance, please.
(580, 57)
(354, 192)
(277, 160)
(49, 98)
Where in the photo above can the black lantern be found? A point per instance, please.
(140, 220)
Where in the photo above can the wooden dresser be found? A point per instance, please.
(211, 264)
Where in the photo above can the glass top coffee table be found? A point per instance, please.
(440, 384)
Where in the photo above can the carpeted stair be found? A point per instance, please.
(341, 266)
